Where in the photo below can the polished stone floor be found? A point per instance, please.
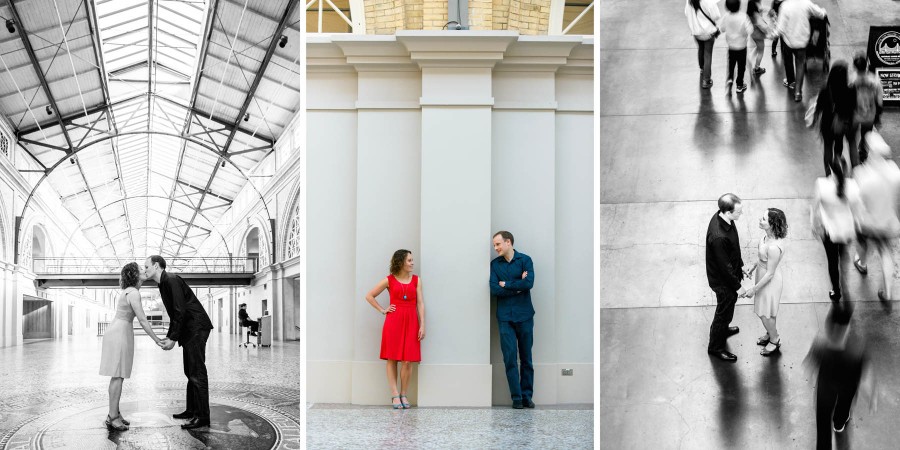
(380, 427)
(669, 149)
(53, 397)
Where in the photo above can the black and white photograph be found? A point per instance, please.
(749, 224)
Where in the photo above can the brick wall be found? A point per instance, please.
(529, 17)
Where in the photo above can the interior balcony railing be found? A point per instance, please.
(104, 272)
(174, 265)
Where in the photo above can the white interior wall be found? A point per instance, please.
(331, 248)
(469, 120)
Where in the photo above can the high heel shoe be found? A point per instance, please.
(767, 352)
(405, 404)
(113, 427)
(763, 340)
(396, 405)
(127, 423)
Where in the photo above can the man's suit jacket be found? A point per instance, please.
(186, 315)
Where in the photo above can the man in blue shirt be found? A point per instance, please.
(512, 277)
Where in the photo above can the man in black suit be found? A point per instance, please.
(245, 320)
(189, 326)
(724, 271)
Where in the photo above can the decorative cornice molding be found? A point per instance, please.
(414, 50)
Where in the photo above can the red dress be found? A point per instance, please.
(400, 336)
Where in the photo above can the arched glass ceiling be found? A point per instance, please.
(132, 100)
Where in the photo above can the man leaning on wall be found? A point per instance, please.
(512, 277)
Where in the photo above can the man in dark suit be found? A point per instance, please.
(245, 320)
(189, 326)
(724, 271)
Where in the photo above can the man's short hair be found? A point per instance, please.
(158, 259)
(733, 5)
(506, 235)
(727, 202)
(242, 304)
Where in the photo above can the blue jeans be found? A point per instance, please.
(516, 339)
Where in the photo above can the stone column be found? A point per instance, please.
(330, 193)
(456, 211)
(387, 193)
(523, 193)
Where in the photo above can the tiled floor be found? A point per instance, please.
(53, 397)
(380, 427)
(669, 149)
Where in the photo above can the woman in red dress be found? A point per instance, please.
(404, 323)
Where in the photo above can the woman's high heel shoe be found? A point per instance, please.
(396, 405)
(767, 352)
(113, 427)
(127, 423)
(405, 404)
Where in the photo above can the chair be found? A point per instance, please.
(244, 344)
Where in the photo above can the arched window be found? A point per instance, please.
(335, 16)
(26, 249)
(572, 17)
(294, 236)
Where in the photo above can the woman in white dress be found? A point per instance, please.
(118, 342)
(766, 292)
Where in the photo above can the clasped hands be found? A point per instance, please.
(748, 272)
(166, 344)
(524, 275)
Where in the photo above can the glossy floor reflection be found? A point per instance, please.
(669, 149)
(380, 427)
(53, 397)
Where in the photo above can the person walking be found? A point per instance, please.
(879, 184)
(793, 28)
(835, 205)
(703, 17)
(835, 106)
(773, 19)
(737, 29)
(511, 281)
(760, 31)
(724, 272)
(189, 327)
(841, 365)
(404, 323)
(766, 292)
(869, 102)
(117, 354)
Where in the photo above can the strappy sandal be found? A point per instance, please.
(405, 404)
(763, 340)
(113, 427)
(123, 420)
(767, 352)
(396, 405)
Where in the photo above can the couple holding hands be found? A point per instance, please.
(189, 326)
(725, 270)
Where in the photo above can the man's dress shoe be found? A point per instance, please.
(724, 355)
(517, 404)
(733, 331)
(183, 415)
(195, 423)
(526, 402)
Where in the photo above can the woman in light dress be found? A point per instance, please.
(766, 292)
(118, 342)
